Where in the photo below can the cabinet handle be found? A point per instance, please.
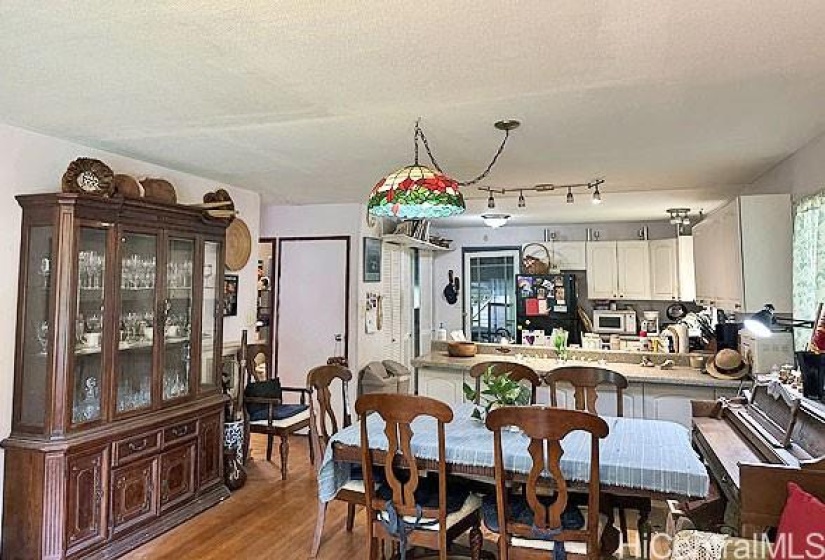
(134, 447)
(180, 431)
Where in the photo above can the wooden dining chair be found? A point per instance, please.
(401, 517)
(517, 372)
(322, 426)
(264, 409)
(535, 530)
(585, 382)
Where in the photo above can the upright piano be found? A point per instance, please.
(755, 444)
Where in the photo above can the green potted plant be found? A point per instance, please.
(496, 391)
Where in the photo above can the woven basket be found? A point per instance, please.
(535, 263)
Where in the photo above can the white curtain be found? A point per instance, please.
(808, 261)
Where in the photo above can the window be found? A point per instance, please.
(489, 296)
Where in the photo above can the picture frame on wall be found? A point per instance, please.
(230, 295)
(372, 259)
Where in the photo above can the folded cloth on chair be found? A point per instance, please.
(520, 512)
(279, 412)
(426, 495)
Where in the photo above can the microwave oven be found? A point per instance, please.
(614, 322)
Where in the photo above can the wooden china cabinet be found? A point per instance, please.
(117, 430)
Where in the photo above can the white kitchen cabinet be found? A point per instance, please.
(618, 270)
(633, 269)
(568, 255)
(632, 401)
(742, 255)
(445, 385)
(602, 270)
(672, 402)
(664, 270)
(687, 275)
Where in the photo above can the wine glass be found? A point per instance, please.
(43, 336)
(45, 269)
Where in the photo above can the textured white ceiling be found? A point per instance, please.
(315, 101)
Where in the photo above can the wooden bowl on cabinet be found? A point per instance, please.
(462, 349)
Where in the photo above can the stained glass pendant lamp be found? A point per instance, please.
(420, 192)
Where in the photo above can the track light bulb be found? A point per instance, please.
(491, 202)
(597, 196)
(569, 195)
(521, 202)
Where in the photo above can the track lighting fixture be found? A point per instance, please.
(597, 196)
(544, 188)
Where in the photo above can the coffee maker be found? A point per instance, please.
(650, 322)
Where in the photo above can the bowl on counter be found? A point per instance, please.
(462, 349)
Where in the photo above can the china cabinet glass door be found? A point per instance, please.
(212, 284)
(138, 274)
(87, 368)
(37, 333)
(177, 333)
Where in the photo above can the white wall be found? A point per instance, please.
(800, 174)
(515, 236)
(335, 219)
(33, 163)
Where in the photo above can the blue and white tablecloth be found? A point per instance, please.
(651, 455)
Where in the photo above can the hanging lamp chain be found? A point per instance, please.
(419, 133)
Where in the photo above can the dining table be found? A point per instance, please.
(646, 458)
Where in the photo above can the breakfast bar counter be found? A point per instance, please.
(653, 392)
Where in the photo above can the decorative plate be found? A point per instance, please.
(238, 245)
(86, 175)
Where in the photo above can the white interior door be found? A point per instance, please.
(311, 306)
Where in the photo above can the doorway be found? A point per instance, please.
(489, 296)
(311, 320)
(266, 295)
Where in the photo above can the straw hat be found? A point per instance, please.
(728, 364)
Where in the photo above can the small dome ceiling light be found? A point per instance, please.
(495, 220)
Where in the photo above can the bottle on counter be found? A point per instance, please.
(441, 333)
(644, 341)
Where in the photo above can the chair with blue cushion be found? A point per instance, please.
(533, 525)
(264, 409)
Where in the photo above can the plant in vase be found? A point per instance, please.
(496, 391)
(560, 343)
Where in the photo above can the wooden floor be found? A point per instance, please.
(266, 519)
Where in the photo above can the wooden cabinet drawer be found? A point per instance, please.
(136, 447)
(179, 432)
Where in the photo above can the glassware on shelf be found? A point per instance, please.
(45, 270)
(89, 407)
(138, 272)
(179, 274)
(43, 336)
(131, 398)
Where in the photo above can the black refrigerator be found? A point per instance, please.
(545, 302)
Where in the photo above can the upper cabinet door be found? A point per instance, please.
(178, 308)
(633, 265)
(568, 255)
(35, 329)
(211, 315)
(602, 272)
(664, 270)
(91, 329)
(135, 361)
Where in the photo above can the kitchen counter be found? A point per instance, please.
(634, 373)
